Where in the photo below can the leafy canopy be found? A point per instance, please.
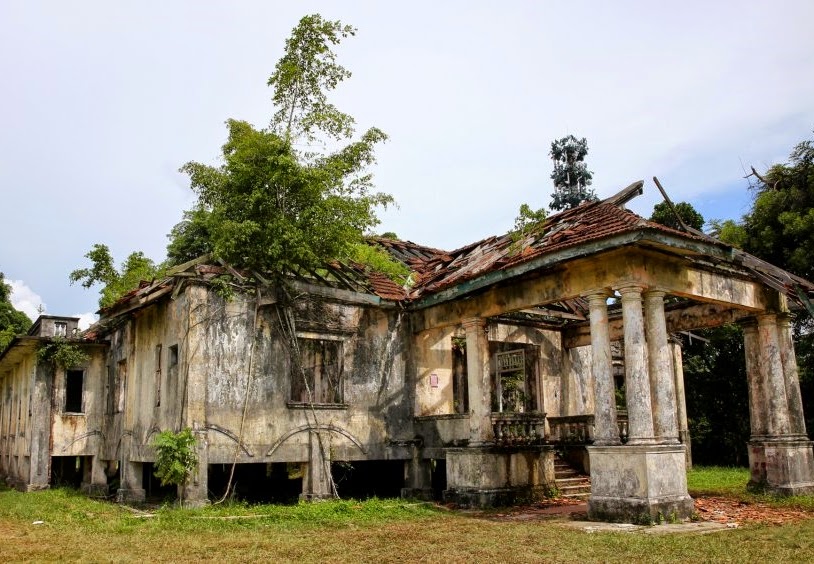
(115, 283)
(271, 207)
(664, 215)
(571, 175)
(12, 321)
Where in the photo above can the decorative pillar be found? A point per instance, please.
(316, 482)
(637, 382)
(197, 364)
(681, 402)
(660, 367)
(480, 390)
(606, 429)
(797, 421)
(758, 414)
(771, 367)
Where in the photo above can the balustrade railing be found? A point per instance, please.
(572, 429)
(518, 428)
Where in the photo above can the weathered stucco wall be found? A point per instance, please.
(433, 353)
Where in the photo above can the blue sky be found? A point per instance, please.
(102, 102)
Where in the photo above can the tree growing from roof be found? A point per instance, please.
(12, 321)
(115, 283)
(571, 175)
(664, 215)
(272, 206)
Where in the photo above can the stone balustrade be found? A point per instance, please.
(572, 429)
(517, 429)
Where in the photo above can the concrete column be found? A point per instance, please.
(771, 367)
(606, 431)
(195, 367)
(758, 416)
(637, 381)
(797, 421)
(480, 390)
(317, 477)
(660, 367)
(681, 402)
(417, 477)
(94, 482)
(40, 429)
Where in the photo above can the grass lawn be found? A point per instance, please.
(77, 528)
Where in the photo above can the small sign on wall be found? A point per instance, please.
(433, 380)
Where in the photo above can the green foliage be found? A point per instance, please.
(729, 231)
(571, 175)
(62, 353)
(664, 215)
(12, 321)
(717, 396)
(270, 207)
(115, 283)
(302, 78)
(176, 458)
(379, 260)
(528, 223)
(780, 225)
(190, 238)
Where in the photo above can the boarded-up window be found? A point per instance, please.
(319, 370)
(74, 385)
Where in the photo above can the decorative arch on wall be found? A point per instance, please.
(330, 428)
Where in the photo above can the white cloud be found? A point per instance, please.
(86, 319)
(25, 299)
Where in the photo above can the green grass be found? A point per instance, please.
(76, 528)
(731, 482)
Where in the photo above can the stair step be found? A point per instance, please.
(577, 480)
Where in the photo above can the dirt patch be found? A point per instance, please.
(727, 510)
(712, 509)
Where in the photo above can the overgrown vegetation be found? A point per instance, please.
(570, 175)
(62, 353)
(175, 457)
(373, 530)
(12, 321)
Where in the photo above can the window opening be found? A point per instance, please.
(74, 385)
(60, 329)
(321, 369)
(511, 380)
(158, 351)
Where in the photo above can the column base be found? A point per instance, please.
(781, 466)
(499, 476)
(639, 484)
(421, 494)
(131, 496)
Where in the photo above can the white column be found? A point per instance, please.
(797, 421)
(480, 390)
(606, 430)
(681, 401)
(660, 367)
(772, 369)
(637, 381)
(758, 414)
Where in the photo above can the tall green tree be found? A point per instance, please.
(271, 205)
(114, 282)
(664, 215)
(12, 321)
(571, 175)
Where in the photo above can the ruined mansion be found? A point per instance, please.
(468, 384)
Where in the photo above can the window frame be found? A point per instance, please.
(70, 391)
(316, 380)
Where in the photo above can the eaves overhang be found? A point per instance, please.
(643, 236)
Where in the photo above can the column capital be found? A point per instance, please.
(654, 293)
(747, 324)
(601, 294)
(784, 319)
(766, 319)
(473, 323)
(630, 288)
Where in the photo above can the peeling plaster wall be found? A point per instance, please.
(433, 352)
(217, 351)
(577, 382)
(15, 444)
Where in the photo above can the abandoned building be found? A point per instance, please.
(467, 384)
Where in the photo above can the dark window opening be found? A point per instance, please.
(74, 384)
(460, 386)
(158, 351)
(318, 372)
(172, 360)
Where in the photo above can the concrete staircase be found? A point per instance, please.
(570, 482)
